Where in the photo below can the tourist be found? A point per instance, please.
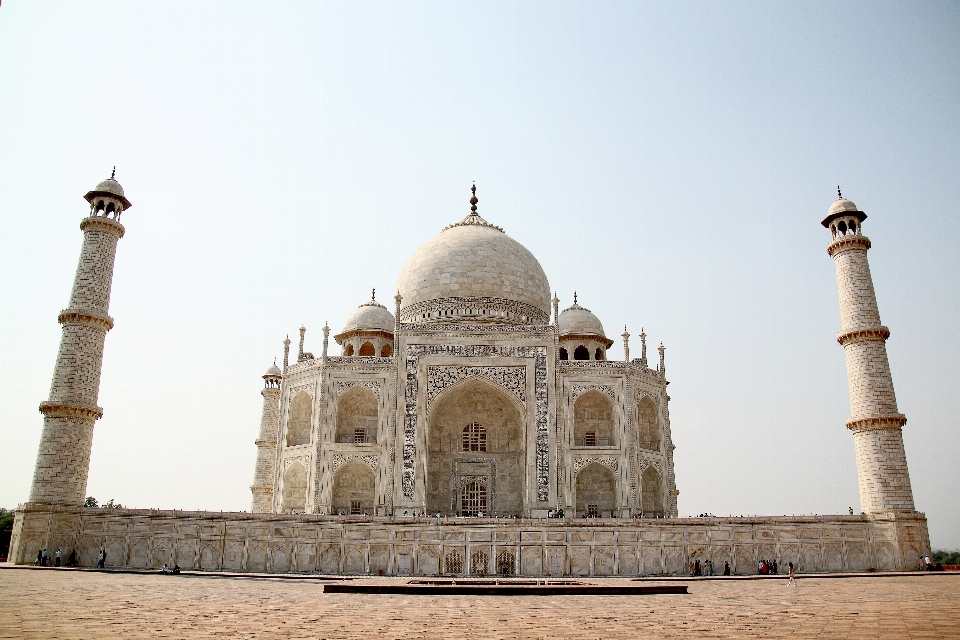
(726, 568)
(39, 559)
(46, 558)
(101, 558)
(774, 567)
(57, 559)
(793, 581)
(176, 569)
(72, 558)
(698, 571)
(692, 569)
(164, 568)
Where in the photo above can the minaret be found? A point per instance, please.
(875, 421)
(556, 310)
(303, 331)
(286, 353)
(663, 367)
(626, 344)
(262, 487)
(69, 414)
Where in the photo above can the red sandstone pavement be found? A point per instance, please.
(51, 603)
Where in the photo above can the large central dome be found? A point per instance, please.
(474, 272)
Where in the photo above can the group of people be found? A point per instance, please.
(927, 565)
(166, 568)
(706, 568)
(44, 558)
(767, 567)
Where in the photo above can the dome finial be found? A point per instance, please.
(373, 295)
(473, 199)
(574, 297)
(839, 195)
(113, 173)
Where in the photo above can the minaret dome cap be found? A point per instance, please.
(273, 371)
(842, 207)
(110, 188)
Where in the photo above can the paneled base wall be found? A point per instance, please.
(274, 543)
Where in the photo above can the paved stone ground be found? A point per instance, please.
(82, 604)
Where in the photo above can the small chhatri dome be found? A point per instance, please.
(370, 316)
(273, 371)
(111, 188)
(579, 320)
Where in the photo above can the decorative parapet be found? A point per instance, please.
(580, 462)
(62, 409)
(579, 389)
(339, 460)
(877, 422)
(845, 243)
(872, 334)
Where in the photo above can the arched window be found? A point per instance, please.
(348, 351)
(598, 355)
(298, 420)
(367, 349)
(387, 351)
(453, 562)
(563, 353)
(582, 353)
(357, 416)
(593, 420)
(479, 563)
(506, 563)
(295, 488)
(474, 437)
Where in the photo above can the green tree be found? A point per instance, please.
(945, 557)
(91, 502)
(6, 530)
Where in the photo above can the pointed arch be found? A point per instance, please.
(596, 491)
(387, 351)
(294, 488)
(648, 424)
(581, 353)
(358, 414)
(651, 493)
(367, 349)
(298, 419)
(354, 489)
(593, 420)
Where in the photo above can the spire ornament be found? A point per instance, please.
(839, 195)
(113, 173)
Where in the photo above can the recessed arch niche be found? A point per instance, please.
(476, 404)
(298, 420)
(596, 491)
(357, 416)
(354, 489)
(593, 420)
(648, 426)
(294, 488)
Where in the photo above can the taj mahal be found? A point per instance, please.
(476, 429)
(476, 396)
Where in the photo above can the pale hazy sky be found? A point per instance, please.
(669, 161)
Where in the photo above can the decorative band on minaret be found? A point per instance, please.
(875, 421)
(63, 461)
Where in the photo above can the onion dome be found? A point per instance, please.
(473, 271)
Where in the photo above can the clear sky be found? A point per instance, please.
(669, 161)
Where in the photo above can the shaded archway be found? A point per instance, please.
(475, 433)
(354, 489)
(593, 420)
(348, 350)
(581, 353)
(387, 351)
(596, 492)
(298, 419)
(367, 349)
(651, 493)
(648, 426)
(563, 354)
(357, 415)
(294, 489)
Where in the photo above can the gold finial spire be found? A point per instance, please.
(373, 295)
(113, 173)
(839, 195)
(574, 297)
(473, 200)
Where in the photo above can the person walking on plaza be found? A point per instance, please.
(39, 559)
(57, 559)
(46, 559)
(100, 558)
(793, 581)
